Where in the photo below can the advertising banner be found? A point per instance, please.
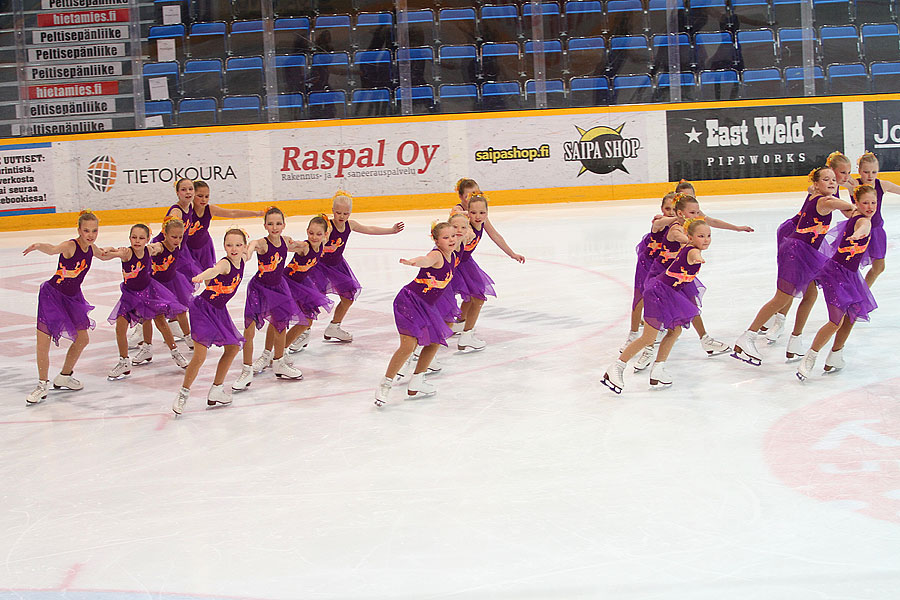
(747, 142)
(883, 132)
(26, 179)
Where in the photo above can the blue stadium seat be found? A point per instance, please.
(751, 14)
(421, 64)
(332, 33)
(660, 49)
(719, 85)
(160, 108)
(657, 17)
(290, 107)
(422, 99)
(553, 58)
(207, 40)
(503, 95)
(329, 71)
(880, 42)
(203, 78)
(709, 15)
(244, 76)
(241, 109)
(756, 48)
(587, 57)
(375, 31)
(550, 20)
(459, 64)
(786, 13)
(246, 38)
(556, 93)
(500, 62)
(714, 51)
(839, 44)
(327, 105)
(762, 83)
(166, 32)
(585, 19)
(500, 23)
(371, 103)
(875, 11)
(194, 112)
(794, 83)
(290, 72)
(169, 70)
(457, 26)
(458, 98)
(421, 27)
(292, 35)
(625, 17)
(885, 77)
(687, 82)
(632, 89)
(847, 80)
(375, 68)
(629, 55)
(831, 12)
(589, 91)
(790, 41)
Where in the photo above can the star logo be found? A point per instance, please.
(693, 135)
(817, 130)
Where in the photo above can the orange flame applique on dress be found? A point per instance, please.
(681, 277)
(134, 272)
(72, 273)
(471, 245)
(667, 255)
(431, 283)
(219, 289)
(295, 267)
(164, 265)
(328, 249)
(271, 265)
(194, 227)
(854, 248)
(818, 229)
(654, 246)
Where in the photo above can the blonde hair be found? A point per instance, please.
(236, 231)
(437, 227)
(837, 157)
(867, 157)
(816, 173)
(682, 200)
(171, 221)
(691, 225)
(342, 194)
(863, 189)
(86, 215)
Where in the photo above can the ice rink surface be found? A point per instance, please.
(523, 478)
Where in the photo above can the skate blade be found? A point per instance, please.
(137, 363)
(711, 353)
(420, 395)
(34, 402)
(469, 349)
(288, 377)
(337, 340)
(64, 388)
(435, 373)
(831, 370)
(118, 377)
(380, 403)
(234, 389)
(613, 387)
(298, 350)
(738, 354)
(655, 384)
(800, 376)
(789, 358)
(211, 403)
(640, 367)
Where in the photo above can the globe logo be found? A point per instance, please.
(101, 173)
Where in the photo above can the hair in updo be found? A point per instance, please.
(86, 215)
(684, 185)
(464, 183)
(183, 179)
(693, 224)
(478, 198)
(816, 174)
(319, 220)
(863, 189)
(273, 210)
(139, 226)
(437, 228)
(172, 222)
(200, 184)
(682, 201)
(837, 157)
(666, 198)
(236, 231)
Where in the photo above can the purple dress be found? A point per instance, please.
(211, 325)
(877, 238)
(268, 296)
(790, 225)
(143, 297)
(165, 271)
(672, 298)
(844, 288)
(470, 280)
(305, 282)
(338, 277)
(62, 310)
(646, 250)
(664, 255)
(799, 258)
(446, 304)
(186, 265)
(415, 310)
(199, 243)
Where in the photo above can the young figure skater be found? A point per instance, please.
(846, 293)
(62, 310)
(465, 187)
(418, 320)
(269, 300)
(774, 327)
(211, 325)
(143, 299)
(475, 285)
(671, 301)
(306, 283)
(340, 279)
(165, 271)
(799, 259)
(199, 242)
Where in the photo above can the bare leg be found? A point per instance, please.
(249, 332)
(294, 332)
(407, 345)
(425, 357)
(197, 360)
(784, 311)
(184, 322)
(636, 313)
(341, 310)
(824, 334)
(473, 312)
(228, 355)
(697, 322)
(665, 346)
(805, 307)
(270, 337)
(647, 337)
(42, 350)
(843, 333)
(122, 336)
(464, 311)
(148, 330)
(278, 342)
(163, 327)
(777, 303)
(74, 352)
(876, 270)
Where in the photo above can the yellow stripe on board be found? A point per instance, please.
(595, 193)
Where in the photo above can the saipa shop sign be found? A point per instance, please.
(378, 160)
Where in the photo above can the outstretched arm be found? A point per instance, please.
(123, 253)
(432, 259)
(220, 268)
(890, 186)
(301, 247)
(720, 224)
(660, 222)
(862, 229)
(677, 234)
(694, 257)
(66, 248)
(232, 213)
(501, 243)
(831, 203)
(373, 230)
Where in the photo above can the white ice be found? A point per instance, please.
(522, 478)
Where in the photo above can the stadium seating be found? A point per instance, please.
(194, 112)
(555, 90)
(371, 103)
(589, 91)
(762, 83)
(458, 98)
(241, 109)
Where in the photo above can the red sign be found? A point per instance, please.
(73, 90)
(90, 17)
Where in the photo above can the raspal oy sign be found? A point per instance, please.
(601, 150)
(766, 141)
